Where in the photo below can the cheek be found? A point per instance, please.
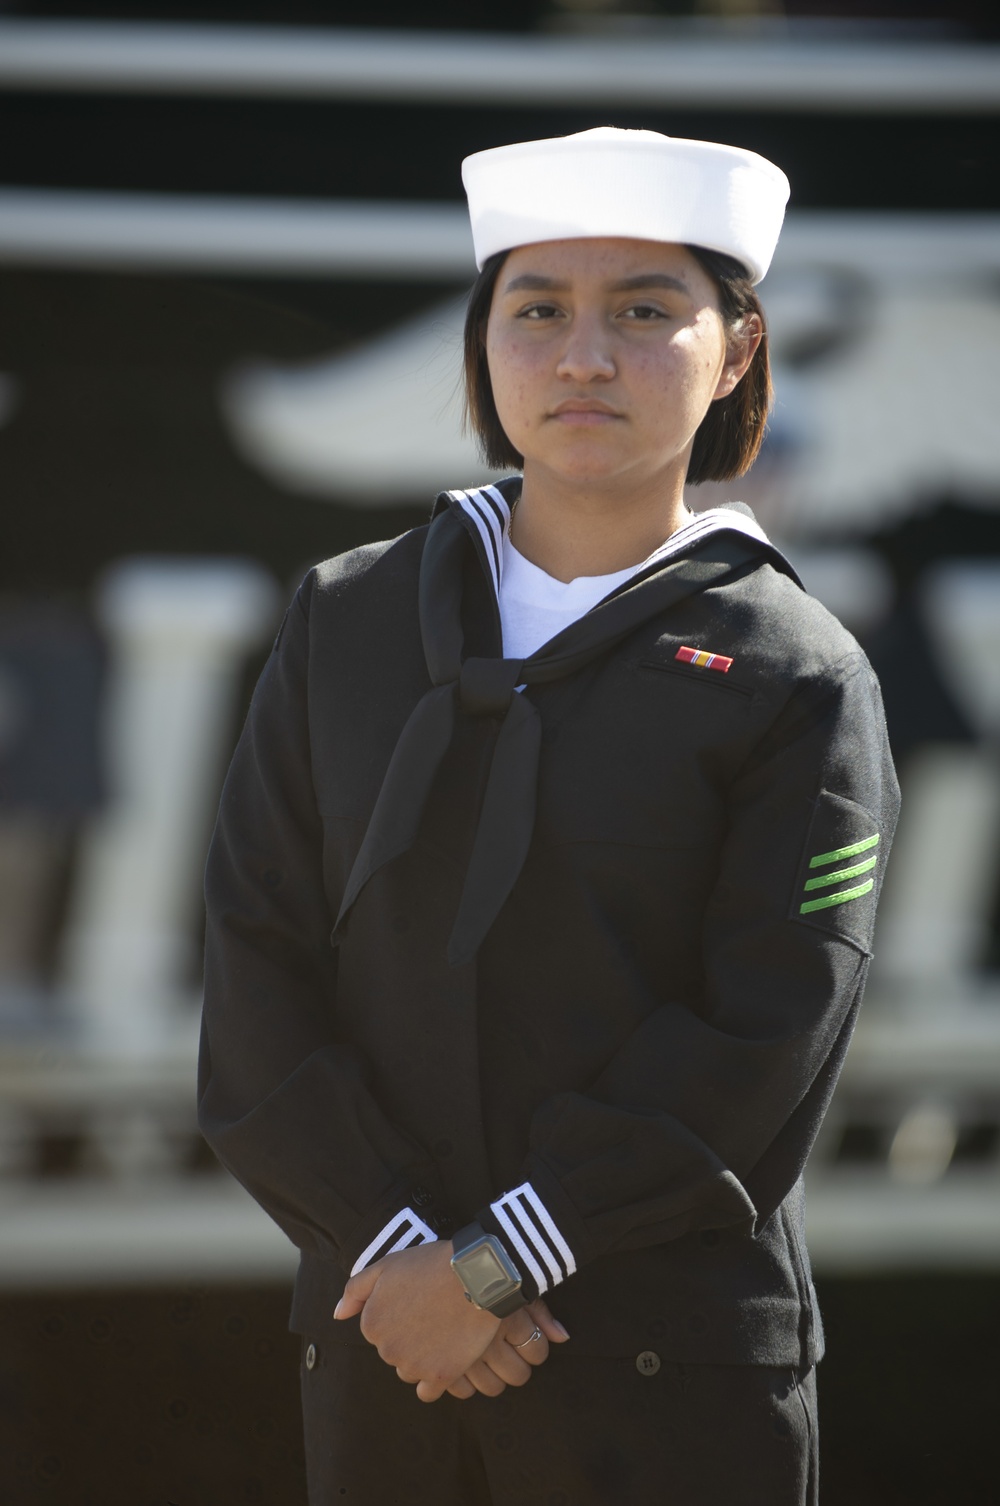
(673, 383)
(691, 367)
(514, 373)
(711, 348)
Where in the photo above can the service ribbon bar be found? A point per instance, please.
(703, 659)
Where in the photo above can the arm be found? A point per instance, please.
(706, 1114)
(285, 1105)
(281, 1100)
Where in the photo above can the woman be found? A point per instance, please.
(593, 803)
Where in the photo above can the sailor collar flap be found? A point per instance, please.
(486, 687)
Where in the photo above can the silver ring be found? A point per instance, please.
(529, 1340)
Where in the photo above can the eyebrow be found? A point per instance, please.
(534, 282)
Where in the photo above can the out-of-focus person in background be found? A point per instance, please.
(593, 802)
(50, 781)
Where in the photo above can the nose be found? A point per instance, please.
(586, 354)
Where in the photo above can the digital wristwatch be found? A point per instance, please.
(490, 1278)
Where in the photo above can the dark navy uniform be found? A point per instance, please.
(580, 959)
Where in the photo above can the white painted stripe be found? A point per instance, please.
(301, 237)
(423, 242)
(510, 1229)
(770, 72)
(411, 1230)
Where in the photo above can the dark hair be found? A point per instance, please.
(730, 434)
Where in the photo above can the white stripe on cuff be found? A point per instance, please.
(510, 1229)
(402, 1231)
(534, 1234)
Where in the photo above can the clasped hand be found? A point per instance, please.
(414, 1311)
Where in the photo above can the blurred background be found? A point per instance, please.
(233, 257)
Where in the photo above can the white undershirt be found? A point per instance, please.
(534, 606)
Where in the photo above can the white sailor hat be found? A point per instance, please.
(626, 183)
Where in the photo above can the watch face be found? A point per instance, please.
(486, 1277)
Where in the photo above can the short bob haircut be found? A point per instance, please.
(732, 431)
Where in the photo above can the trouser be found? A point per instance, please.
(582, 1431)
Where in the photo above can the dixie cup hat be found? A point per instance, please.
(638, 184)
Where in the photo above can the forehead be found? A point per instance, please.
(602, 258)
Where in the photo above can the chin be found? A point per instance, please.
(583, 462)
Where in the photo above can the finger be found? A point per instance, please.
(357, 1291)
(431, 1390)
(505, 1362)
(551, 1327)
(462, 1388)
(485, 1379)
(533, 1351)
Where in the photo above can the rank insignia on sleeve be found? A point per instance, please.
(838, 874)
(704, 660)
(823, 881)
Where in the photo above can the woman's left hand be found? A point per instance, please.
(521, 1343)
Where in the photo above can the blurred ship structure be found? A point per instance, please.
(881, 477)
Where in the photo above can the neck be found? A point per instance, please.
(570, 529)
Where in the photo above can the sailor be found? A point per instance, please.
(541, 898)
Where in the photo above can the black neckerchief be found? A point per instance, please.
(486, 687)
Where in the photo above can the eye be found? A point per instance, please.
(643, 313)
(539, 311)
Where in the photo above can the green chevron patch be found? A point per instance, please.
(836, 884)
(824, 880)
(828, 900)
(822, 858)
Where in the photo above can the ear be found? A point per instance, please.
(741, 346)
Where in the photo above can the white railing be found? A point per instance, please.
(723, 70)
(179, 633)
(103, 1178)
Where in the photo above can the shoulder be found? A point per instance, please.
(372, 579)
(789, 638)
(794, 661)
(805, 673)
(369, 569)
(357, 591)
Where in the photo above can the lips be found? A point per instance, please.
(584, 410)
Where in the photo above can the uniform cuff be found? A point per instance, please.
(532, 1237)
(403, 1231)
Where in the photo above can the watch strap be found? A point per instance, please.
(508, 1305)
(466, 1236)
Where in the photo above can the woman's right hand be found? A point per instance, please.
(502, 1364)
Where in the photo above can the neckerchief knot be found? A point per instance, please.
(486, 686)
